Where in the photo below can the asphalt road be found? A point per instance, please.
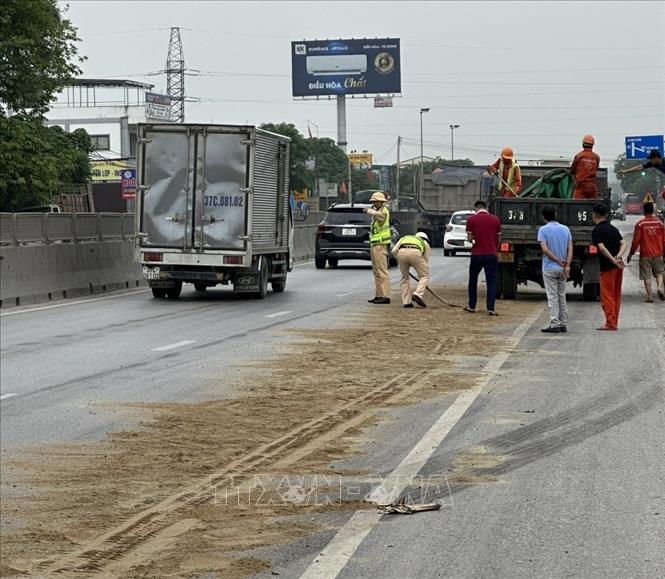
(571, 427)
(59, 358)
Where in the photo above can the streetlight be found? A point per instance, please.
(452, 141)
(422, 157)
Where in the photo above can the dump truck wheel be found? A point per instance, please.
(200, 287)
(508, 281)
(159, 292)
(591, 292)
(320, 262)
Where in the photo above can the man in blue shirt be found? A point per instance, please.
(556, 243)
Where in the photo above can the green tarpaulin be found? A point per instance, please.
(557, 184)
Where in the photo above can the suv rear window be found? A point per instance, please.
(356, 217)
(459, 219)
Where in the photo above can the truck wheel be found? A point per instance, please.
(159, 292)
(200, 287)
(446, 252)
(174, 292)
(452, 253)
(263, 278)
(333, 261)
(508, 281)
(591, 292)
(320, 262)
(499, 282)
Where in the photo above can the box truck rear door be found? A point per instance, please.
(166, 176)
(221, 195)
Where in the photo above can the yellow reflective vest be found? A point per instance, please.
(413, 240)
(380, 234)
(511, 175)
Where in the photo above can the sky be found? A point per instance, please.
(536, 76)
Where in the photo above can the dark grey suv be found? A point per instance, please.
(344, 234)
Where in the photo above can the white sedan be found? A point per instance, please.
(455, 238)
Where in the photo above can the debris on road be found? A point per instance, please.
(401, 508)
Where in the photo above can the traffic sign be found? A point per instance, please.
(640, 147)
(647, 198)
(128, 184)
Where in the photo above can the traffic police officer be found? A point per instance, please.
(413, 251)
(379, 240)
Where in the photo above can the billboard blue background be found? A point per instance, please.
(382, 74)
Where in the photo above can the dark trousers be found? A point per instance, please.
(477, 264)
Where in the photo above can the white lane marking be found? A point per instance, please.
(68, 303)
(173, 346)
(8, 395)
(277, 314)
(334, 557)
(343, 295)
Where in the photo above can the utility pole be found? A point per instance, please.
(175, 76)
(452, 141)
(422, 157)
(399, 144)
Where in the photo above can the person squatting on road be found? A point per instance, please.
(611, 247)
(379, 240)
(584, 169)
(483, 230)
(649, 238)
(510, 175)
(556, 243)
(413, 251)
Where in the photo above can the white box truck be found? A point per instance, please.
(212, 207)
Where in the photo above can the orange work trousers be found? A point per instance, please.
(610, 295)
(584, 193)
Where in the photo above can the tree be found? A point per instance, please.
(636, 182)
(38, 55)
(35, 160)
(301, 177)
(331, 162)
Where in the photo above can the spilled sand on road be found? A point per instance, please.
(67, 495)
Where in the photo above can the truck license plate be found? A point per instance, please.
(348, 231)
(507, 257)
(150, 272)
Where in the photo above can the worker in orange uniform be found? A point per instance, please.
(510, 176)
(649, 238)
(584, 168)
(413, 251)
(611, 246)
(379, 240)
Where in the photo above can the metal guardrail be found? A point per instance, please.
(45, 228)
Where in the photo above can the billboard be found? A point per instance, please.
(128, 184)
(157, 107)
(360, 159)
(108, 170)
(341, 67)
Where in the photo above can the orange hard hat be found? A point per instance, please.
(588, 140)
(507, 153)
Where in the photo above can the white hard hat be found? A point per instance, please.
(422, 235)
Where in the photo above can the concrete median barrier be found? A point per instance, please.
(36, 273)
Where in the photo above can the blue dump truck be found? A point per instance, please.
(520, 257)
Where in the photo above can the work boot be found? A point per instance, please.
(551, 330)
(373, 300)
(409, 305)
(563, 329)
(419, 301)
(381, 301)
